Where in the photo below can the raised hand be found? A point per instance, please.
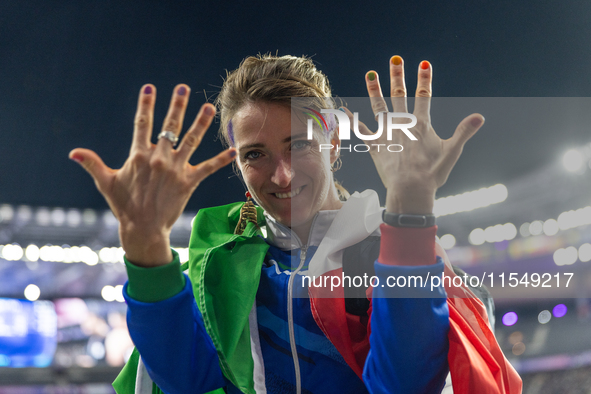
(413, 176)
(151, 190)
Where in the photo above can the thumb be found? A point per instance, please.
(93, 164)
(466, 129)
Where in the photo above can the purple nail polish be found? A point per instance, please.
(233, 153)
(148, 90)
(182, 90)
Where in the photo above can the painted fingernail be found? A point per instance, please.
(477, 122)
(148, 90)
(371, 76)
(342, 109)
(77, 158)
(425, 64)
(182, 90)
(233, 153)
(208, 110)
(396, 60)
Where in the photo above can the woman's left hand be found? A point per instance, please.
(413, 176)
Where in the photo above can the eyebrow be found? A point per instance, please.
(288, 139)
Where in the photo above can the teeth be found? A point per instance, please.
(291, 194)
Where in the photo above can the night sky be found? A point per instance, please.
(70, 72)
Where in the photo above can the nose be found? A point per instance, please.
(282, 173)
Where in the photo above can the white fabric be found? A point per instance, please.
(143, 382)
(257, 354)
(359, 218)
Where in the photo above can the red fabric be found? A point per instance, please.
(475, 359)
(476, 362)
(347, 333)
(407, 246)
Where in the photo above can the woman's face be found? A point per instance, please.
(285, 172)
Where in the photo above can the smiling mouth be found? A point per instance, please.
(291, 194)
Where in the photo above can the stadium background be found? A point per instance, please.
(69, 77)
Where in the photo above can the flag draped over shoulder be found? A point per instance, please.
(225, 271)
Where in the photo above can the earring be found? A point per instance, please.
(248, 213)
(337, 165)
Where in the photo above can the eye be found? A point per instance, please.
(300, 144)
(252, 155)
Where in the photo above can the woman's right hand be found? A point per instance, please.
(149, 193)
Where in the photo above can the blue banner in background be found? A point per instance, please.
(28, 333)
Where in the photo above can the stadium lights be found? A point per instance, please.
(559, 310)
(510, 318)
(570, 255)
(566, 220)
(89, 217)
(12, 252)
(585, 252)
(108, 293)
(73, 218)
(573, 160)
(32, 253)
(71, 254)
(43, 217)
(447, 241)
(492, 234)
(470, 200)
(544, 317)
(113, 293)
(565, 256)
(24, 213)
(32, 292)
(6, 213)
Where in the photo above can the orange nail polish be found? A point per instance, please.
(396, 60)
(425, 64)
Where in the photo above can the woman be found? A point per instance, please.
(254, 330)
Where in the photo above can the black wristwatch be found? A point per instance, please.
(408, 220)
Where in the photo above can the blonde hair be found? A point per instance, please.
(274, 79)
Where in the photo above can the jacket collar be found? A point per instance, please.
(281, 236)
(359, 217)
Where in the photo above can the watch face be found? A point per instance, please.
(412, 220)
(407, 220)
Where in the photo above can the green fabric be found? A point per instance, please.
(125, 382)
(156, 283)
(225, 270)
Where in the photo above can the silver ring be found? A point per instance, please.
(169, 135)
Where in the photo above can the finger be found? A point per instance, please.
(455, 145)
(144, 117)
(94, 165)
(208, 167)
(423, 94)
(173, 121)
(465, 130)
(397, 84)
(378, 104)
(194, 135)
